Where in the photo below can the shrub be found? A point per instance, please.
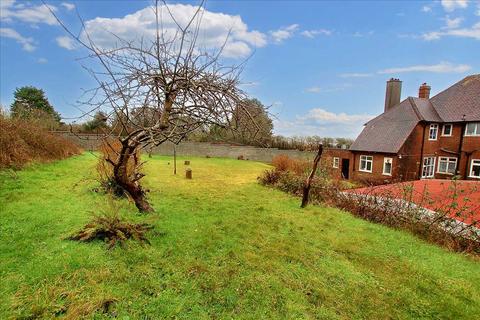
(22, 141)
(282, 162)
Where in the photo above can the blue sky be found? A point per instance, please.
(321, 65)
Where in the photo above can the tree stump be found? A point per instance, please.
(187, 162)
(188, 173)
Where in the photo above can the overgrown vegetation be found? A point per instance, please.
(22, 141)
(31, 104)
(224, 247)
(111, 228)
(394, 209)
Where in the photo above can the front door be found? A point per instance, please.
(428, 169)
(345, 168)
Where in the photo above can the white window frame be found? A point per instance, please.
(367, 160)
(433, 127)
(443, 130)
(449, 160)
(385, 159)
(430, 165)
(471, 168)
(477, 129)
(336, 162)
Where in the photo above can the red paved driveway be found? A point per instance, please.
(459, 199)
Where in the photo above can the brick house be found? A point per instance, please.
(419, 138)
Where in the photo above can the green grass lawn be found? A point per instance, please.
(223, 247)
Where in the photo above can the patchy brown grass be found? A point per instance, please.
(22, 142)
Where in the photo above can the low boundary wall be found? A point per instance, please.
(199, 149)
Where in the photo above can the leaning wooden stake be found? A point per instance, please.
(308, 182)
(174, 160)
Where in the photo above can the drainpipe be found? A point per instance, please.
(421, 152)
(460, 147)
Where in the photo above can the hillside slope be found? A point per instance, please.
(223, 247)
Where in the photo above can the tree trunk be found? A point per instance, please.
(129, 182)
(308, 182)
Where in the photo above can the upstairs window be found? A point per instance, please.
(433, 132)
(472, 129)
(366, 163)
(336, 162)
(475, 168)
(447, 130)
(447, 165)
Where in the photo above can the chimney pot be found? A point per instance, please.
(424, 91)
(393, 93)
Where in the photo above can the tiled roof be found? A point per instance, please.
(463, 98)
(388, 132)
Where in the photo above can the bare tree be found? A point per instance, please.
(158, 89)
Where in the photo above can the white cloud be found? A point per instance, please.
(359, 34)
(66, 42)
(319, 121)
(313, 33)
(213, 30)
(452, 23)
(451, 5)
(442, 67)
(355, 75)
(472, 32)
(42, 60)
(284, 33)
(68, 6)
(314, 90)
(27, 43)
(10, 11)
(426, 9)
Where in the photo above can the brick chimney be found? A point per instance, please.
(424, 91)
(393, 93)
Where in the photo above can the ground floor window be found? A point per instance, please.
(366, 163)
(428, 170)
(387, 166)
(336, 162)
(447, 165)
(475, 168)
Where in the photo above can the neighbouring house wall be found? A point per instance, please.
(376, 176)
(327, 162)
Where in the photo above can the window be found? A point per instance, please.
(433, 132)
(387, 166)
(366, 163)
(447, 165)
(447, 130)
(428, 169)
(472, 129)
(475, 168)
(336, 162)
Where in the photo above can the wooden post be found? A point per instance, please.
(308, 182)
(188, 173)
(174, 160)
